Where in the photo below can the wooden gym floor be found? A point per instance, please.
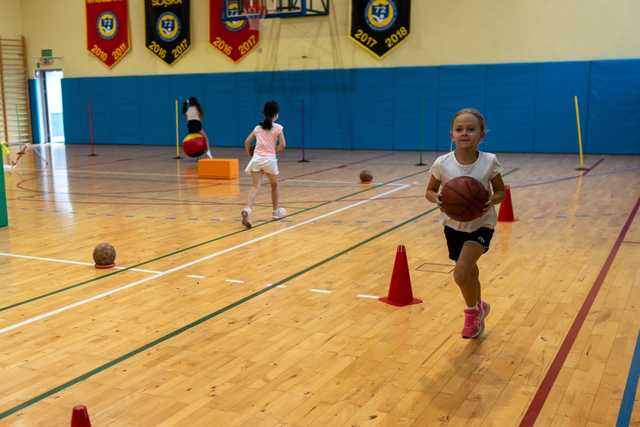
(210, 324)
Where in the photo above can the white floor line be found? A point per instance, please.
(354, 183)
(191, 263)
(195, 276)
(65, 261)
(320, 181)
(321, 291)
(141, 270)
(96, 172)
(367, 296)
(233, 281)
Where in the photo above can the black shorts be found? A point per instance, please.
(194, 126)
(456, 239)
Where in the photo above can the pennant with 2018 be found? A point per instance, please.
(168, 28)
(379, 26)
(107, 30)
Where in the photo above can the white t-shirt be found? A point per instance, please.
(266, 140)
(193, 113)
(484, 169)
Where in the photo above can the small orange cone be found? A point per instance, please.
(506, 208)
(400, 293)
(80, 417)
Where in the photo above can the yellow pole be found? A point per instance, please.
(575, 101)
(177, 132)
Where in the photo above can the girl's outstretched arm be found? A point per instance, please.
(498, 190)
(282, 143)
(247, 142)
(432, 190)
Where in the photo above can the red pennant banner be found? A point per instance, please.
(107, 30)
(233, 38)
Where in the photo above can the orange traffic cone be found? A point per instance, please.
(506, 208)
(400, 293)
(80, 417)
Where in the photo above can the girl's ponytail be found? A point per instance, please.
(270, 111)
(267, 123)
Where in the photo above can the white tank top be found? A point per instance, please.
(192, 113)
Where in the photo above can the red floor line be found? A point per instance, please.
(338, 167)
(540, 397)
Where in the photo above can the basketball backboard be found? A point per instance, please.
(241, 9)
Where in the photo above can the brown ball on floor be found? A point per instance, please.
(104, 255)
(366, 176)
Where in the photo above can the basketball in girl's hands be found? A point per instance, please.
(464, 198)
(194, 145)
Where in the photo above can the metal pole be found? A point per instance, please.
(422, 139)
(303, 160)
(91, 142)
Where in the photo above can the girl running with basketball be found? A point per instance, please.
(270, 139)
(192, 110)
(467, 241)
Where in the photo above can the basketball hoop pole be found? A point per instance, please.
(90, 118)
(177, 133)
(303, 160)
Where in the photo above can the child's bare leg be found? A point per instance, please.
(466, 273)
(206, 140)
(19, 154)
(256, 180)
(273, 180)
(476, 280)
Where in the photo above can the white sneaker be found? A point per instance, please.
(279, 213)
(209, 154)
(246, 220)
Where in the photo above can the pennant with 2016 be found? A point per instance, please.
(379, 26)
(235, 39)
(107, 30)
(168, 28)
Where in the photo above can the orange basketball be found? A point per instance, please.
(463, 198)
(194, 145)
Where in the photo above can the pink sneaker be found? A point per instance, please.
(474, 320)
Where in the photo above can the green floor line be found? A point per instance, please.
(199, 321)
(207, 317)
(224, 236)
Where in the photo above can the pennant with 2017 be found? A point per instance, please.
(168, 28)
(235, 39)
(379, 26)
(107, 30)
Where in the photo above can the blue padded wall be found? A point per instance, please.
(529, 106)
(614, 107)
(4, 216)
(459, 86)
(510, 99)
(34, 106)
(555, 128)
